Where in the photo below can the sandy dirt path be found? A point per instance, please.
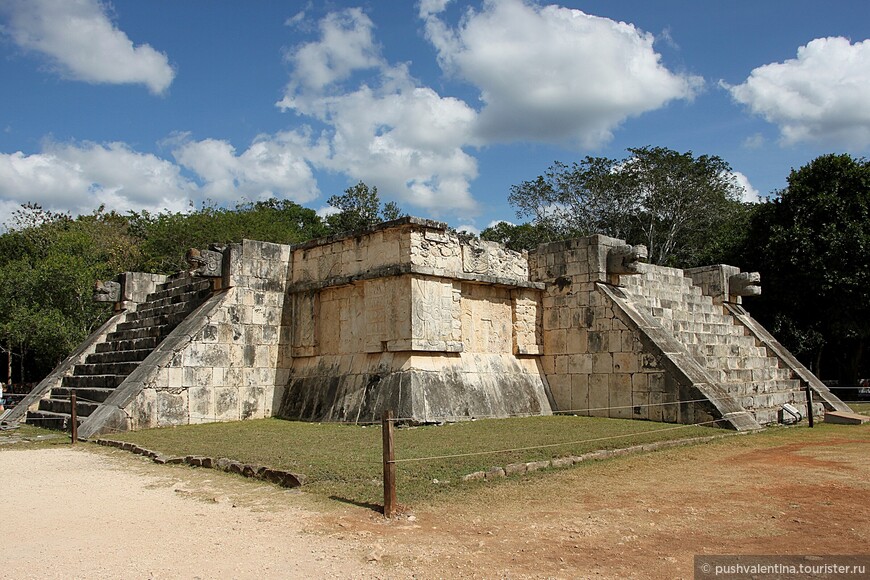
(90, 513)
(99, 513)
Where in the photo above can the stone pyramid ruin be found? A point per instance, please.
(408, 317)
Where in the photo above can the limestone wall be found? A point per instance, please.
(408, 316)
(594, 364)
(222, 363)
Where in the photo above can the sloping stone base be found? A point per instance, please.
(418, 388)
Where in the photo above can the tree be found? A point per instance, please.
(669, 201)
(812, 247)
(359, 208)
(167, 236)
(48, 265)
(516, 237)
(679, 200)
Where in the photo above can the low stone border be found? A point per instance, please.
(518, 468)
(276, 476)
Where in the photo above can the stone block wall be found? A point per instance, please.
(222, 363)
(425, 323)
(594, 363)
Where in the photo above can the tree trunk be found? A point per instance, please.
(817, 362)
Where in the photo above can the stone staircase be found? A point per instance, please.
(743, 367)
(122, 351)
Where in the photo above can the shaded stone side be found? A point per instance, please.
(418, 387)
(64, 369)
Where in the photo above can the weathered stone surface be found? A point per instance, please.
(108, 291)
(537, 465)
(515, 468)
(494, 473)
(204, 262)
(624, 259)
(414, 318)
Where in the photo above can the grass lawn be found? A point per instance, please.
(344, 462)
(863, 408)
(31, 436)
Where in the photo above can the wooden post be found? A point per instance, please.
(389, 466)
(810, 404)
(74, 419)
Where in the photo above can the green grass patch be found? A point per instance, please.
(863, 408)
(30, 436)
(345, 461)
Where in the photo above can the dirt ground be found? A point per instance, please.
(99, 513)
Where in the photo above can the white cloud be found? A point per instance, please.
(273, 166)
(819, 96)
(346, 45)
(750, 194)
(83, 43)
(754, 141)
(494, 223)
(551, 73)
(468, 229)
(78, 178)
(390, 132)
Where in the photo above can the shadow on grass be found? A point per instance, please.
(376, 507)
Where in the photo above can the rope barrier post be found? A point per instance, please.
(74, 419)
(810, 404)
(389, 466)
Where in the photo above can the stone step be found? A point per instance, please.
(726, 351)
(63, 406)
(775, 401)
(150, 311)
(733, 363)
(768, 387)
(705, 338)
(93, 395)
(50, 420)
(158, 332)
(121, 368)
(177, 289)
(171, 320)
(147, 343)
(118, 356)
(750, 375)
(93, 381)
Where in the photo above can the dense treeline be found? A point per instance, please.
(811, 243)
(50, 261)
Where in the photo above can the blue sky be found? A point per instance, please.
(441, 105)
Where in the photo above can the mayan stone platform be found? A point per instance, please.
(410, 318)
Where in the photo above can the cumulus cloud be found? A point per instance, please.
(273, 166)
(82, 43)
(750, 194)
(78, 178)
(390, 132)
(553, 74)
(819, 96)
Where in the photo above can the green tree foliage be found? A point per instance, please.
(672, 202)
(48, 265)
(812, 247)
(167, 236)
(516, 237)
(359, 208)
